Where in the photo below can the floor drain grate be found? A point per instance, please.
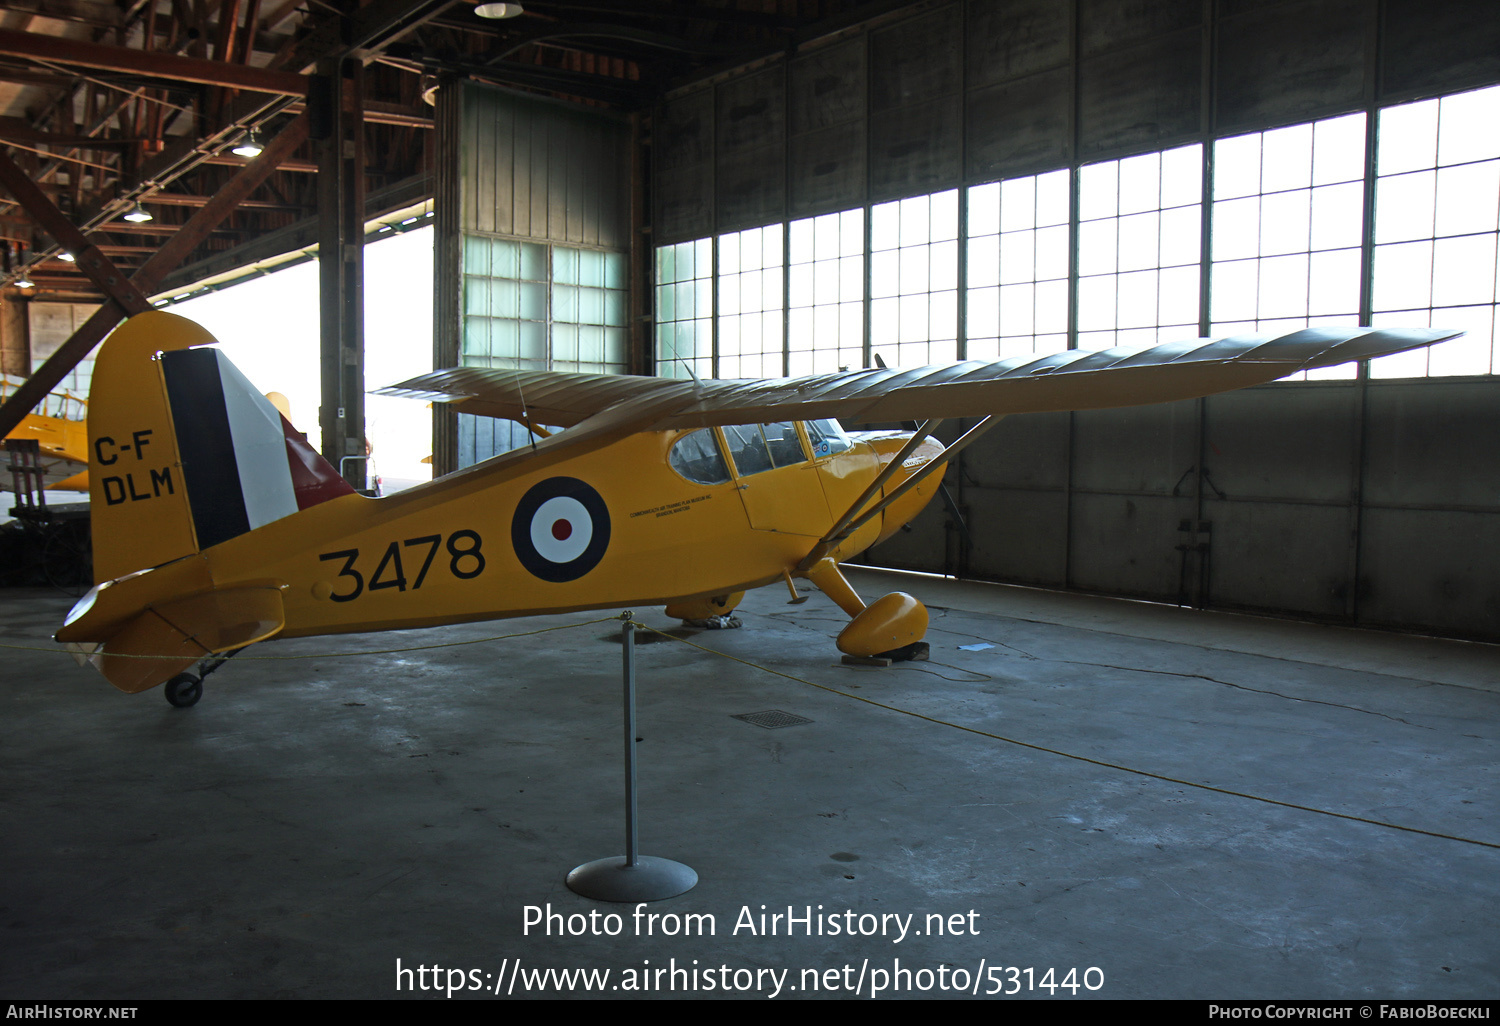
(772, 718)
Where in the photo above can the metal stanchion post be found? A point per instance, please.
(632, 877)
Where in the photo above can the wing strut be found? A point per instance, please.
(852, 520)
(838, 531)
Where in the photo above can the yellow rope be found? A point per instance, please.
(1079, 758)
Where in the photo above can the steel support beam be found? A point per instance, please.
(153, 65)
(197, 228)
(338, 127)
(90, 261)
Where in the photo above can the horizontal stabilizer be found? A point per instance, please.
(168, 638)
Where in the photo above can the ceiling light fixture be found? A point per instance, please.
(67, 257)
(138, 214)
(23, 282)
(249, 146)
(495, 12)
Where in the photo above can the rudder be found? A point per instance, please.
(184, 452)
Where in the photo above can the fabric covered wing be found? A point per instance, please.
(1073, 380)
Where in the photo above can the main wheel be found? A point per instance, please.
(184, 690)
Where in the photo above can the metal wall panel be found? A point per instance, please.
(1278, 556)
(916, 102)
(518, 166)
(1373, 503)
(1125, 545)
(1145, 98)
(1438, 46)
(1434, 443)
(972, 92)
(1007, 41)
(683, 167)
(1141, 450)
(750, 146)
(827, 121)
(913, 149)
(542, 170)
(1020, 126)
(1105, 25)
(916, 60)
(1258, 447)
(1292, 63)
(1019, 536)
(1432, 570)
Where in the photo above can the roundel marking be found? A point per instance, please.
(560, 529)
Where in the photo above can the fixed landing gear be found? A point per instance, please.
(890, 628)
(184, 690)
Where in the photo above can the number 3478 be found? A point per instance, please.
(465, 561)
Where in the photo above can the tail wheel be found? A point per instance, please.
(184, 690)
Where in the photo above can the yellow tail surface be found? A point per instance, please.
(137, 496)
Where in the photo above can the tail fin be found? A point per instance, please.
(184, 453)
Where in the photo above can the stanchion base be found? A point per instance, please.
(650, 879)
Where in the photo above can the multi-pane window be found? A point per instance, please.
(1139, 237)
(531, 306)
(1018, 266)
(914, 280)
(1436, 202)
(751, 304)
(685, 309)
(505, 304)
(590, 310)
(826, 293)
(1288, 217)
(1112, 253)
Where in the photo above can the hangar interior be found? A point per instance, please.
(1191, 801)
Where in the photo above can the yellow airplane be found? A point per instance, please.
(61, 434)
(217, 526)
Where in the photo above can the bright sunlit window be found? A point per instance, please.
(505, 304)
(1288, 218)
(1436, 201)
(826, 309)
(1018, 267)
(590, 311)
(1291, 245)
(685, 309)
(269, 327)
(751, 304)
(1139, 236)
(914, 280)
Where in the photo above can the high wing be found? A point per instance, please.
(1072, 380)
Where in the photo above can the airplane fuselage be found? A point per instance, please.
(613, 528)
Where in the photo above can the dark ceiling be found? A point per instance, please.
(106, 104)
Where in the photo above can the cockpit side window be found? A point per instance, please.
(785, 446)
(748, 449)
(756, 448)
(827, 437)
(696, 457)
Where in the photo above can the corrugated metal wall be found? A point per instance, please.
(971, 92)
(520, 167)
(1375, 504)
(1372, 503)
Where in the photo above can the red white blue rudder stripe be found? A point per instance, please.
(242, 464)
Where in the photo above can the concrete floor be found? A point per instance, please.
(313, 821)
